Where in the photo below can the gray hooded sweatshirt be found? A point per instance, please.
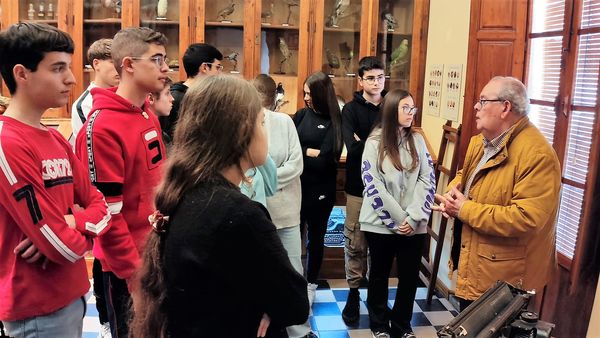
(392, 196)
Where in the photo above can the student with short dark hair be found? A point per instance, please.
(358, 117)
(123, 147)
(105, 76)
(49, 211)
(199, 60)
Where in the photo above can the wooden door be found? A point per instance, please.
(496, 47)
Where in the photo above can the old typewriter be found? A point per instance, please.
(501, 312)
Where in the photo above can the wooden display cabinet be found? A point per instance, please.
(249, 33)
(52, 12)
(282, 51)
(354, 29)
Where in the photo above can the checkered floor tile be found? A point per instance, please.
(326, 315)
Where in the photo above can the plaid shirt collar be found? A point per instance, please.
(497, 142)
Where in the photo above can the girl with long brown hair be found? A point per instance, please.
(215, 267)
(397, 172)
(319, 127)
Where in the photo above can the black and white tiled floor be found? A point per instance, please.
(326, 316)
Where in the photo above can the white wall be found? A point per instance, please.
(594, 328)
(447, 43)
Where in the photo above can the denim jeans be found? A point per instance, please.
(63, 323)
(292, 243)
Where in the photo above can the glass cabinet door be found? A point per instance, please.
(394, 40)
(341, 44)
(164, 16)
(44, 11)
(279, 48)
(224, 29)
(101, 20)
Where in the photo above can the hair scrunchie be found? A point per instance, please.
(159, 222)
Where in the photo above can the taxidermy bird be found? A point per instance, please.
(400, 54)
(233, 58)
(332, 59)
(280, 92)
(279, 102)
(267, 14)
(339, 11)
(390, 21)
(346, 54)
(227, 11)
(290, 4)
(285, 53)
(116, 4)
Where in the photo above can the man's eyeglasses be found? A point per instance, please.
(373, 79)
(482, 102)
(158, 60)
(218, 66)
(410, 110)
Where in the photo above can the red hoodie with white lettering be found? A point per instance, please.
(123, 148)
(40, 180)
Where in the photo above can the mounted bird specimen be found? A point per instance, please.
(116, 4)
(346, 55)
(390, 21)
(340, 10)
(285, 54)
(233, 58)
(279, 101)
(290, 4)
(400, 54)
(267, 13)
(332, 60)
(226, 11)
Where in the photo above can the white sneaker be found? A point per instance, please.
(104, 331)
(312, 291)
(380, 334)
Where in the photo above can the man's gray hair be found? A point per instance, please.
(514, 91)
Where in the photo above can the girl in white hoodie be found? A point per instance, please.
(399, 180)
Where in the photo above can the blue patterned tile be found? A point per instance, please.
(334, 334)
(329, 323)
(341, 295)
(326, 309)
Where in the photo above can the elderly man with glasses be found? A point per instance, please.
(505, 198)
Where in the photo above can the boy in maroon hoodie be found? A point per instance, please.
(49, 211)
(121, 142)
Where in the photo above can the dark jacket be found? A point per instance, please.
(167, 123)
(358, 117)
(225, 266)
(316, 131)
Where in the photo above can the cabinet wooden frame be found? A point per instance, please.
(192, 29)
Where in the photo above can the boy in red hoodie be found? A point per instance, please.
(121, 142)
(49, 211)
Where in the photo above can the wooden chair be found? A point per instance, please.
(449, 134)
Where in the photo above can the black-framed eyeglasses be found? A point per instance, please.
(482, 102)
(158, 60)
(218, 66)
(410, 110)
(373, 79)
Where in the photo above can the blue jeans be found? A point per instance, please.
(292, 243)
(64, 323)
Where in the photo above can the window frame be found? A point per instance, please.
(563, 108)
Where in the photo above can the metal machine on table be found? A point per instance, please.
(501, 312)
